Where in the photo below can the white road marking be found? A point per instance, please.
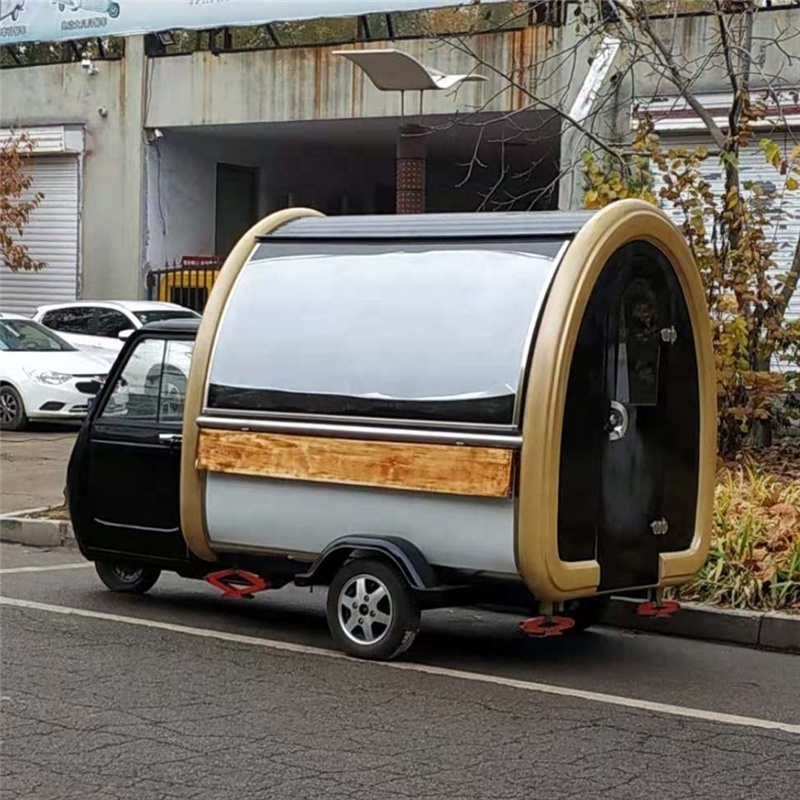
(443, 672)
(51, 568)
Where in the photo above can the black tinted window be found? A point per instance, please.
(70, 320)
(437, 335)
(111, 323)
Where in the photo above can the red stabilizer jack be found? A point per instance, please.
(546, 626)
(237, 583)
(651, 608)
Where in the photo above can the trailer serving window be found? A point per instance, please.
(439, 336)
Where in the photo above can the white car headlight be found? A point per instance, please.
(48, 377)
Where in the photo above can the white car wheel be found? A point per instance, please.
(12, 410)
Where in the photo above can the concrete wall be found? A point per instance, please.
(312, 83)
(181, 195)
(113, 166)
(775, 40)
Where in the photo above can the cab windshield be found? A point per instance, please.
(27, 335)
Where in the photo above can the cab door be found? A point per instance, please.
(132, 502)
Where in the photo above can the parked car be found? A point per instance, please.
(42, 376)
(102, 326)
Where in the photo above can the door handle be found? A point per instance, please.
(172, 439)
(617, 422)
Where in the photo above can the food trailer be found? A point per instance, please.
(416, 412)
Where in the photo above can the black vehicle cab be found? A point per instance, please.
(123, 482)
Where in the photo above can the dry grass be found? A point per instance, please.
(755, 553)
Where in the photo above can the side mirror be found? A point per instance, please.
(123, 336)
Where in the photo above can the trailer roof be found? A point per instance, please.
(514, 224)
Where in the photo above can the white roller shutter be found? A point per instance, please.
(52, 236)
(752, 167)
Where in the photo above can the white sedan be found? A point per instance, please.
(100, 326)
(43, 377)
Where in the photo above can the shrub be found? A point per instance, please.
(754, 562)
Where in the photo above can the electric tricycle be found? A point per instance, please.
(416, 412)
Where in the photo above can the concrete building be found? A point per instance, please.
(152, 156)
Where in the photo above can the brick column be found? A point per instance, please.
(410, 188)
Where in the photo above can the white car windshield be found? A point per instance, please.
(27, 335)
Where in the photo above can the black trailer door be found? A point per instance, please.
(648, 467)
(629, 448)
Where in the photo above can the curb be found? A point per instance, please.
(766, 629)
(19, 529)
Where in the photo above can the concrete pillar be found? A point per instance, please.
(410, 188)
(133, 213)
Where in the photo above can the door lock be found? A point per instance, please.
(659, 527)
(617, 421)
(669, 335)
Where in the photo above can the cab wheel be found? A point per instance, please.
(127, 578)
(586, 612)
(372, 611)
(12, 410)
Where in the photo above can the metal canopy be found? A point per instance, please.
(395, 71)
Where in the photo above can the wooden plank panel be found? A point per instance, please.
(450, 469)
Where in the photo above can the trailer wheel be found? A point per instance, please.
(127, 578)
(113, 10)
(372, 611)
(586, 612)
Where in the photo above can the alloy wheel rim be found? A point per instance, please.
(8, 408)
(365, 610)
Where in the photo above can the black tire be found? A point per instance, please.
(127, 578)
(12, 410)
(376, 640)
(586, 612)
(113, 10)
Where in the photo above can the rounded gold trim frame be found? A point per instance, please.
(545, 574)
(192, 479)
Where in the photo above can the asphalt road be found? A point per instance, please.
(182, 694)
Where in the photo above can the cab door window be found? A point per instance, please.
(135, 394)
(152, 386)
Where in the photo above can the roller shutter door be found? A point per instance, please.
(752, 167)
(52, 236)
